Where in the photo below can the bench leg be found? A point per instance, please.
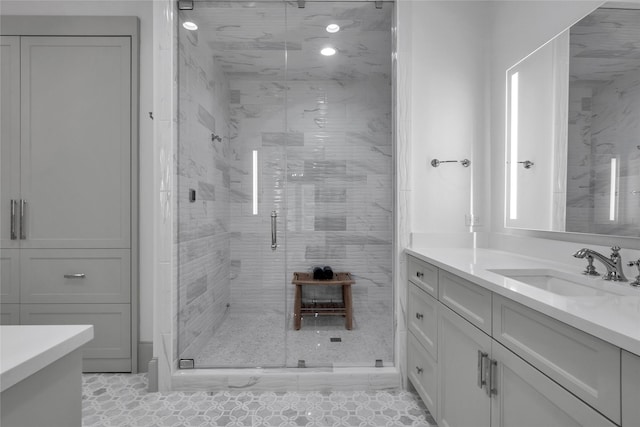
(297, 307)
(348, 307)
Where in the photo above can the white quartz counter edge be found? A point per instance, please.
(25, 349)
(612, 318)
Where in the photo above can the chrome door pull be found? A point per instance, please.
(274, 238)
(481, 375)
(23, 209)
(492, 387)
(75, 276)
(14, 236)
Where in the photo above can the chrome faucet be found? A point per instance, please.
(613, 263)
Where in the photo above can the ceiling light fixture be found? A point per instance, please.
(333, 28)
(328, 51)
(191, 26)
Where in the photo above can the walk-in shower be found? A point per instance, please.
(285, 163)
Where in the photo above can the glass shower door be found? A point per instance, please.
(232, 306)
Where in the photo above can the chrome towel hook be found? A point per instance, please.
(464, 162)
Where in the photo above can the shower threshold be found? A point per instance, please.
(288, 379)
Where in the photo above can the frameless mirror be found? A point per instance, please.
(573, 129)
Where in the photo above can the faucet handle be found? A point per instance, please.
(637, 264)
(615, 249)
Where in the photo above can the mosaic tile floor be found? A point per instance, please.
(370, 339)
(122, 400)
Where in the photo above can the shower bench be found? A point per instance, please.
(344, 308)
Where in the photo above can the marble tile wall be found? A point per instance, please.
(602, 128)
(329, 177)
(203, 165)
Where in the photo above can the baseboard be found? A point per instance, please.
(152, 375)
(145, 354)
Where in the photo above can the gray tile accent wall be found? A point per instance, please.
(204, 263)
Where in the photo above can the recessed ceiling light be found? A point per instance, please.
(333, 28)
(191, 26)
(328, 51)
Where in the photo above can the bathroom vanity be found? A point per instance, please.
(41, 374)
(497, 339)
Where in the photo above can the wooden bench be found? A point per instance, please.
(344, 308)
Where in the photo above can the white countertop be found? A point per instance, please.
(25, 349)
(612, 318)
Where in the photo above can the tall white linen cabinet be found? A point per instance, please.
(68, 213)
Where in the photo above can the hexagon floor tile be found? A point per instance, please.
(122, 400)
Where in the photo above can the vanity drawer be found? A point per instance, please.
(75, 276)
(424, 275)
(586, 366)
(423, 319)
(422, 371)
(469, 300)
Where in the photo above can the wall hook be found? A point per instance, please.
(215, 137)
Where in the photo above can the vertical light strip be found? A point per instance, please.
(612, 191)
(513, 144)
(255, 182)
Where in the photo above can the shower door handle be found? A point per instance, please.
(274, 236)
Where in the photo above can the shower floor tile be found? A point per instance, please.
(268, 340)
(122, 400)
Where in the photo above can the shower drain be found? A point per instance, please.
(335, 339)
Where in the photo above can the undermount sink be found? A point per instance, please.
(559, 283)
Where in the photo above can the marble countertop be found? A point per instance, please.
(25, 349)
(610, 317)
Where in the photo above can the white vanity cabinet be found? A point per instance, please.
(501, 364)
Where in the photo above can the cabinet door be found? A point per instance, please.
(9, 135)
(527, 398)
(630, 389)
(461, 401)
(76, 141)
(10, 276)
(110, 349)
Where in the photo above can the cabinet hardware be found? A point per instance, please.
(486, 368)
(419, 316)
(492, 387)
(481, 364)
(23, 210)
(274, 232)
(419, 369)
(14, 236)
(419, 274)
(75, 276)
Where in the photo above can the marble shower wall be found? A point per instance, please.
(606, 122)
(204, 237)
(329, 176)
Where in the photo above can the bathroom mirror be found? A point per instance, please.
(573, 129)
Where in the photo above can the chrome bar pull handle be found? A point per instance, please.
(23, 211)
(481, 375)
(492, 387)
(274, 231)
(14, 236)
(75, 276)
